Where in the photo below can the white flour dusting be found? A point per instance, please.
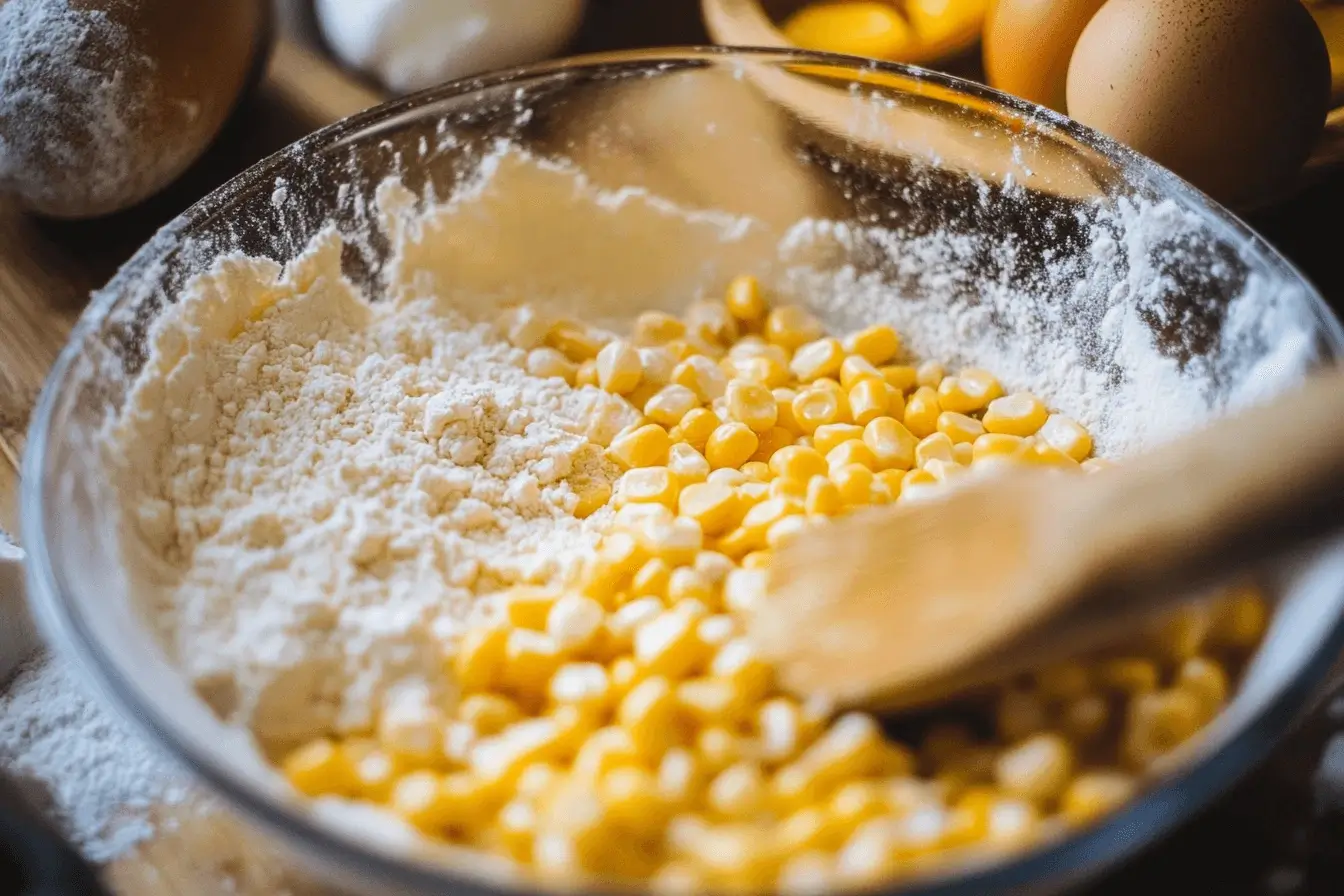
(94, 777)
(67, 138)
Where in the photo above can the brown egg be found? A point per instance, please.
(105, 102)
(1229, 94)
(1027, 45)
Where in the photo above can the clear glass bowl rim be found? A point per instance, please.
(1051, 867)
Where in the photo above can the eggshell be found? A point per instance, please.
(1028, 43)
(1229, 94)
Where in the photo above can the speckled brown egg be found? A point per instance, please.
(1028, 43)
(1229, 94)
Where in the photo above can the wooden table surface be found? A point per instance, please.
(1279, 833)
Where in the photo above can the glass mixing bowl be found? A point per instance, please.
(1063, 241)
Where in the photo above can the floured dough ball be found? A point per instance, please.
(412, 44)
(105, 102)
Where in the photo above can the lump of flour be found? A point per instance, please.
(323, 484)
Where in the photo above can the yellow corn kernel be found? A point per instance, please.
(1240, 621)
(1206, 681)
(901, 377)
(850, 748)
(758, 470)
(639, 396)
(652, 579)
(878, 344)
(459, 739)
(523, 326)
(1019, 714)
(605, 749)
(784, 406)
(781, 532)
(752, 492)
(716, 630)
(578, 341)
(790, 491)
(716, 747)
(738, 662)
(527, 606)
(648, 485)
(712, 322)
(1018, 414)
(375, 771)
(996, 445)
(823, 497)
(677, 541)
(695, 428)
(1094, 794)
(970, 390)
(1034, 451)
(649, 714)
(678, 878)
(658, 364)
(691, 584)
(817, 407)
(1066, 435)
(1181, 634)
(681, 779)
(856, 802)
(668, 645)
(739, 859)
(630, 796)
(889, 482)
(657, 328)
(869, 400)
(745, 300)
(1084, 718)
(320, 767)
(480, 658)
(916, 484)
(929, 374)
(530, 659)
(1128, 675)
(731, 445)
(892, 444)
(591, 499)
(756, 560)
(770, 373)
(737, 792)
(921, 412)
(782, 729)
(820, 358)
(670, 405)
(798, 464)
(711, 701)
(585, 686)
(645, 446)
(808, 828)
(729, 477)
(1012, 823)
(752, 404)
(488, 713)
(1037, 769)
(963, 453)
(850, 453)
(855, 484)
(959, 428)
(618, 367)
(687, 464)
(419, 799)
(944, 470)
(935, 447)
(702, 376)
(549, 362)
(789, 326)
(856, 369)
(832, 435)
(625, 672)
(1157, 723)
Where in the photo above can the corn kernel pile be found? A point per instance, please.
(619, 725)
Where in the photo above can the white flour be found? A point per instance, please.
(65, 104)
(95, 778)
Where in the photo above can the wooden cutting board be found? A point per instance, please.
(47, 271)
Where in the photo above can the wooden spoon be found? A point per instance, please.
(903, 604)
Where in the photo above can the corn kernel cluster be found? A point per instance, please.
(620, 726)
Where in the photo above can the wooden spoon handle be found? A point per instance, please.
(1223, 499)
